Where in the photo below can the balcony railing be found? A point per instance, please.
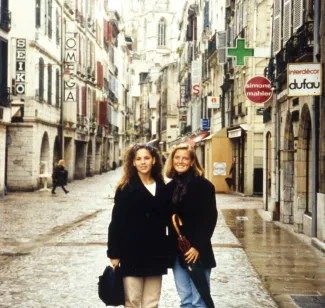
(5, 20)
(4, 96)
(212, 45)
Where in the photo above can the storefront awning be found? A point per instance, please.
(195, 139)
(237, 132)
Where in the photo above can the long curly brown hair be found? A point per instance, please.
(130, 171)
(196, 166)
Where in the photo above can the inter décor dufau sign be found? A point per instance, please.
(20, 66)
(304, 79)
(258, 90)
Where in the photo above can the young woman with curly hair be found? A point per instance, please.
(193, 199)
(137, 233)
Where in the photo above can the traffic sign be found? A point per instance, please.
(258, 90)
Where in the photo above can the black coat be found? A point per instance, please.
(137, 232)
(198, 211)
(60, 175)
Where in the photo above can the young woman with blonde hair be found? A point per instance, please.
(137, 232)
(193, 199)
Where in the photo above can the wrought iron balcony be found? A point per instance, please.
(212, 45)
(4, 96)
(5, 20)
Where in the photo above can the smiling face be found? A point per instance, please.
(143, 161)
(182, 161)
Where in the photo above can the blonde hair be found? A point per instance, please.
(61, 162)
(196, 166)
(130, 171)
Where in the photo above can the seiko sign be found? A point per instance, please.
(304, 79)
(20, 66)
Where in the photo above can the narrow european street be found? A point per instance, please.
(53, 248)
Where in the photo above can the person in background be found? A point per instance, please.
(231, 181)
(193, 199)
(137, 238)
(60, 177)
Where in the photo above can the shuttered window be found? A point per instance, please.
(94, 105)
(83, 102)
(38, 13)
(286, 20)
(49, 19)
(221, 45)
(162, 32)
(57, 88)
(49, 84)
(277, 26)
(103, 113)
(298, 9)
(41, 80)
(57, 27)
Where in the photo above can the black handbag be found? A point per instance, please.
(110, 287)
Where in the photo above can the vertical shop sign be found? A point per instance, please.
(70, 60)
(20, 66)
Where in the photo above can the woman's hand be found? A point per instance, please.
(115, 262)
(192, 255)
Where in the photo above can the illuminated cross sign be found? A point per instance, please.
(240, 52)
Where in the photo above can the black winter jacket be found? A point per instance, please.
(198, 211)
(137, 232)
(60, 175)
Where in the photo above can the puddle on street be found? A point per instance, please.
(285, 264)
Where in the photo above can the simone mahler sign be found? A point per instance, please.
(304, 79)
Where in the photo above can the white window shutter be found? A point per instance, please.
(240, 20)
(277, 27)
(245, 13)
(298, 9)
(222, 39)
(286, 20)
(222, 59)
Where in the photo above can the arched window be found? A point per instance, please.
(49, 84)
(162, 32)
(57, 88)
(41, 80)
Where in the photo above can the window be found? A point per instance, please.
(57, 27)
(49, 84)
(41, 79)
(162, 32)
(57, 88)
(49, 19)
(38, 13)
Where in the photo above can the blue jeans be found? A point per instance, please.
(189, 296)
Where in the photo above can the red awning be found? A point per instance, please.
(195, 139)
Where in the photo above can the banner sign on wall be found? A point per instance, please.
(304, 79)
(213, 102)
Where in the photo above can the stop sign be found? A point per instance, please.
(258, 90)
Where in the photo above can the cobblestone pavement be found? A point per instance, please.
(53, 248)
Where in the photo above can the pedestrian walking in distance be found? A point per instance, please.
(193, 200)
(60, 177)
(137, 237)
(231, 181)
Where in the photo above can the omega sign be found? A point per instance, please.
(70, 59)
(304, 79)
(20, 66)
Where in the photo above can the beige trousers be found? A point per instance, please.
(142, 292)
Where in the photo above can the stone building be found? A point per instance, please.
(293, 160)
(5, 110)
(66, 101)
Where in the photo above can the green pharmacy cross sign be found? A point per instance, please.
(240, 52)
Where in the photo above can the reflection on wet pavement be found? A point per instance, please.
(285, 264)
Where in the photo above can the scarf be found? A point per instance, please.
(181, 181)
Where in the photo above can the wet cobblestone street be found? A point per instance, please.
(53, 248)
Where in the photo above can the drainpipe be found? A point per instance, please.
(315, 122)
